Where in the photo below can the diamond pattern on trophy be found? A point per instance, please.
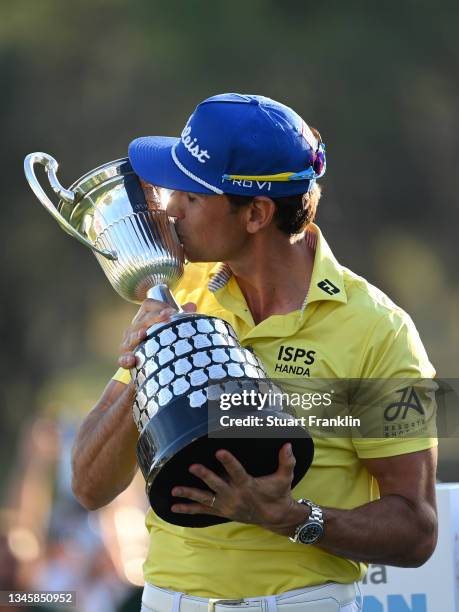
(165, 376)
(180, 386)
(214, 392)
(151, 367)
(232, 386)
(201, 359)
(164, 396)
(235, 370)
(259, 364)
(220, 355)
(237, 355)
(250, 358)
(247, 385)
(151, 347)
(218, 340)
(153, 408)
(216, 372)
(140, 378)
(165, 355)
(198, 378)
(151, 387)
(144, 419)
(197, 399)
(201, 341)
(167, 337)
(221, 327)
(232, 333)
(182, 366)
(136, 412)
(264, 387)
(250, 371)
(182, 346)
(141, 399)
(204, 326)
(140, 355)
(186, 330)
(186, 360)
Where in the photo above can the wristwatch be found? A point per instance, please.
(313, 530)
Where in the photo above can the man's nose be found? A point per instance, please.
(174, 207)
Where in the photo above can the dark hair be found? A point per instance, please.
(293, 213)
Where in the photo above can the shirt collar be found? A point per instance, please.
(327, 280)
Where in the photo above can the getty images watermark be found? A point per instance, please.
(330, 407)
(271, 401)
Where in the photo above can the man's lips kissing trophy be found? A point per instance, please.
(184, 363)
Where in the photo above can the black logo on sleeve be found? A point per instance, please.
(327, 286)
(409, 400)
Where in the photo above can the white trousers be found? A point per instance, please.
(330, 597)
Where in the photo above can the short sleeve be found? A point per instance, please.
(394, 401)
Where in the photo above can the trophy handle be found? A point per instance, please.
(51, 166)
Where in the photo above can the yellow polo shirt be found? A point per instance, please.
(348, 329)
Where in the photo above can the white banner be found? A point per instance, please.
(434, 587)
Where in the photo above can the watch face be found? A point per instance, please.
(310, 533)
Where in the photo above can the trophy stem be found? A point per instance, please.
(162, 293)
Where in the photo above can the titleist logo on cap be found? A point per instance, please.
(191, 144)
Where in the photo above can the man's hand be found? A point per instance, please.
(265, 501)
(150, 313)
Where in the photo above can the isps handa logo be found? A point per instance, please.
(294, 360)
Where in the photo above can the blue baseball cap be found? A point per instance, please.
(237, 144)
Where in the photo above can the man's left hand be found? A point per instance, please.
(265, 501)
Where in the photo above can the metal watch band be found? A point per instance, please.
(315, 524)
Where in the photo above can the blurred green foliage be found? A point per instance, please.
(80, 79)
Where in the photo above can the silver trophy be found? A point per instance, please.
(183, 364)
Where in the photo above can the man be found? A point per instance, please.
(243, 176)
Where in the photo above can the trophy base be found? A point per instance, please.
(165, 464)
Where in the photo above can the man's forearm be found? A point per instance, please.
(388, 531)
(103, 458)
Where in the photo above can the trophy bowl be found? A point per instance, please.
(185, 364)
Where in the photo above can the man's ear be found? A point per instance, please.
(259, 214)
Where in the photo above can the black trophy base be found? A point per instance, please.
(165, 464)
